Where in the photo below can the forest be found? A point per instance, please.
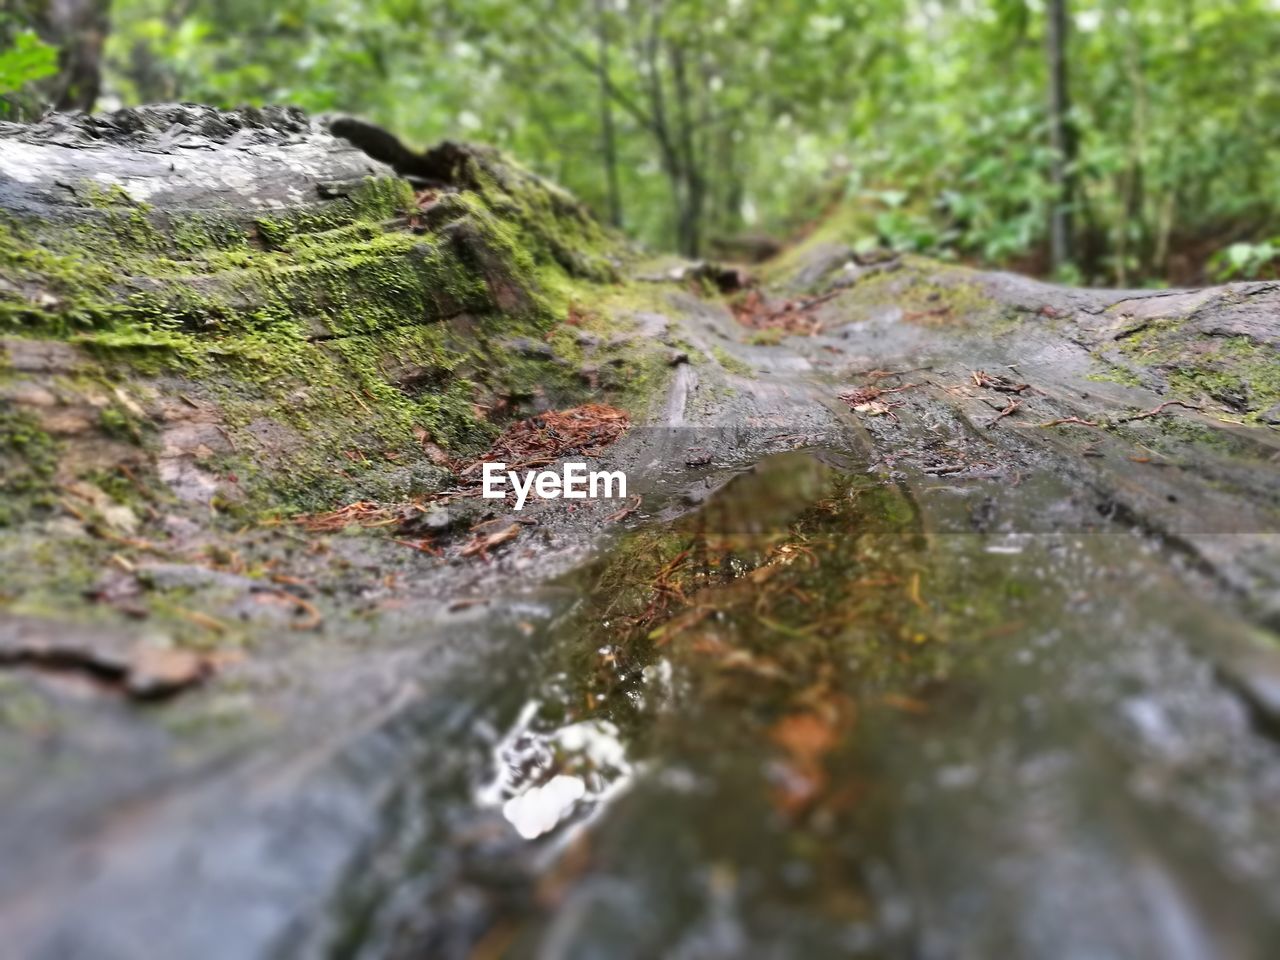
(691, 479)
(726, 127)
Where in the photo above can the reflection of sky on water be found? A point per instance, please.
(539, 809)
(543, 778)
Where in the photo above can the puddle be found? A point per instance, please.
(549, 778)
(797, 722)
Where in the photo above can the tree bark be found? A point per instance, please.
(79, 29)
(1062, 137)
(692, 184)
(608, 142)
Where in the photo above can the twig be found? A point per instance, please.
(626, 511)
(422, 546)
(1160, 409)
(1061, 420)
(314, 619)
(1013, 405)
(1003, 384)
(482, 544)
(864, 395)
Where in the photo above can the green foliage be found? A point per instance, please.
(1247, 259)
(29, 59)
(735, 116)
(25, 60)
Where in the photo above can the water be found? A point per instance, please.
(821, 716)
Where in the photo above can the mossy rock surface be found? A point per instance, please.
(301, 337)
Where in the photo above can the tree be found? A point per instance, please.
(608, 142)
(1062, 137)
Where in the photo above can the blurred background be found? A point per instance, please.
(1117, 142)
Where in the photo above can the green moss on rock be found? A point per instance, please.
(28, 460)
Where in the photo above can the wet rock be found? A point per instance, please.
(41, 356)
(143, 667)
(1254, 673)
(188, 576)
(822, 261)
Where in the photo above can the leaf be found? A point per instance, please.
(29, 59)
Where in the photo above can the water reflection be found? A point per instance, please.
(543, 778)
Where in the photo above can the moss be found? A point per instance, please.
(327, 342)
(847, 224)
(931, 294)
(1235, 371)
(730, 363)
(198, 233)
(552, 225)
(28, 460)
(107, 197)
(116, 422)
(1114, 373)
(769, 337)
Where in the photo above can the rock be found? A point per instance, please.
(1253, 671)
(820, 263)
(41, 356)
(162, 671)
(436, 519)
(726, 279)
(526, 347)
(428, 477)
(142, 668)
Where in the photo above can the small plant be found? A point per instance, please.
(27, 59)
(1246, 260)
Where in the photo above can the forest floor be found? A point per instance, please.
(940, 620)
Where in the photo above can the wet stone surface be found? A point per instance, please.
(819, 717)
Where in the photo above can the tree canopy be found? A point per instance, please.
(697, 125)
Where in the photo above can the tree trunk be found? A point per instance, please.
(692, 186)
(1062, 137)
(79, 29)
(608, 144)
